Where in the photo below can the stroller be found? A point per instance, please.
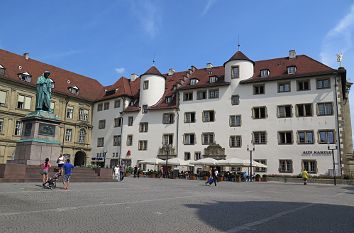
(209, 181)
(52, 182)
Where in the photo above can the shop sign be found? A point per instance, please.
(317, 153)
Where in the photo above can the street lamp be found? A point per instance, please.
(166, 148)
(251, 148)
(332, 148)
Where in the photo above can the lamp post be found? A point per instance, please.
(250, 148)
(166, 148)
(332, 148)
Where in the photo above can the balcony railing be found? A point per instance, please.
(162, 153)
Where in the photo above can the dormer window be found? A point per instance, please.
(264, 73)
(168, 99)
(53, 83)
(110, 92)
(2, 70)
(291, 69)
(213, 79)
(25, 77)
(74, 90)
(194, 81)
(174, 87)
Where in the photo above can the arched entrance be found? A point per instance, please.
(79, 158)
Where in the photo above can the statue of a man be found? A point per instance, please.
(44, 92)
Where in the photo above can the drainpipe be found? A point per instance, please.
(337, 128)
(121, 132)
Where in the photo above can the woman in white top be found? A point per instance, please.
(60, 162)
(116, 172)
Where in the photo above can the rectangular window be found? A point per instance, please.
(143, 127)
(285, 166)
(106, 105)
(323, 83)
(197, 155)
(101, 124)
(129, 140)
(303, 85)
(189, 139)
(235, 120)
(325, 109)
(100, 142)
(18, 128)
(187, 155)
(284, 111)
(118, 122)
(235, 141)
(291, 69)
(68, 135)
(145, 109)
(258, 89)
(326, 137)
(187, 96)
(213, 79)
(189, 117)
(207, 138)
(284, 87)
(285, 137)
(305, 137)
(201, 95)
(235, 100)
(3, 98)
(235, 72)
(193, 81)
(167, 139)
(130, 121)
(70, 112)
(168, 99)
(304, 110)
(208, 116)
(117, 104)
(116, 140)
(310, 166)
(142, 145)
(168, 118)
(1, 125)
(24, 102)
(264, 73)
(259, 112)
(214, 94)
(99, 107)
(146, 85)
(83, 114)
(260, 137)
(261, 169)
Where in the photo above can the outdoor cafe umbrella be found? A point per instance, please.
(178, 162)
(231, 162)
(206, 162)
(153, 161)
(246, 163)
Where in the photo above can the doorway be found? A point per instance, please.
(79, 158)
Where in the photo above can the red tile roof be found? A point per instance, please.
(239, 56)
(153, 70)
(90, 89)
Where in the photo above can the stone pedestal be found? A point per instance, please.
(40, 139)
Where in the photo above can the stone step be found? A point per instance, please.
(39, 180)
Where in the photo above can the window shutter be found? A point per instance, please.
(3, 97)
(21, 98)
(28, 102)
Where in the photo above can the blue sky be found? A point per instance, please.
(108, 39)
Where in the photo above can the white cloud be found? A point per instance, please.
(207, 7)
(148, 15)
(120, 70)
(339, 39)
(59, 55)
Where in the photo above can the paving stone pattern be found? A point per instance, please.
(164, 205)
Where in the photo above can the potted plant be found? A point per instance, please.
(264, 178)
(258, 177)
(237, 178)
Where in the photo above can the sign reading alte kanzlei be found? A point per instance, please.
(316, 153)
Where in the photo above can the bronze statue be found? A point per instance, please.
(44, 92)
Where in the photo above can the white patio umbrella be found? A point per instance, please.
(205, 161)
(153, 161)
(231, 162)
(178, 162)
(254, 164)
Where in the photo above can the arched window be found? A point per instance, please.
(82, 136)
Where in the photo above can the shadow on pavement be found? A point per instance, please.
(254, 216)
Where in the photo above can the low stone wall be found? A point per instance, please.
(311, 180)
(13, 171)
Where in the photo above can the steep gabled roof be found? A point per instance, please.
(153, 70)
(239, 56)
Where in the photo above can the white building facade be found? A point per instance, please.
(290, 110)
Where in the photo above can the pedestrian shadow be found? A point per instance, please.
(275, 217)
(350, 189)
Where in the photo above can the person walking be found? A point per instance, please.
(116, 172)
(45, 170)
(215, 173)
(121, 172)
(60, 162)
(305, 176)
(67, 167)
(135, 171)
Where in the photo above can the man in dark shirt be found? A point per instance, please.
(68, 167)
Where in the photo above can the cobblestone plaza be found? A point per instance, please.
(164, 205)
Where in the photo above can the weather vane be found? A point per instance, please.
(340, 58)
(238, 43)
